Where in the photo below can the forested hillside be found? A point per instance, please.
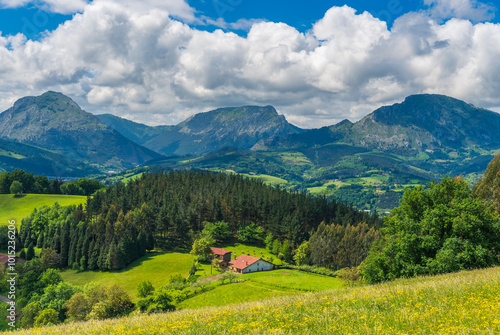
(167, 210)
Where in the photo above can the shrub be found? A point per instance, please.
(144, 289)
(47, 317)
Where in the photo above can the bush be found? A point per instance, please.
(202, 259)
(350, 275)
(47, 317)
(144, 289)
(16, 187)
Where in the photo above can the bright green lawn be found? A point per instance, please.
(262, 285)
(20, 207)
(255, 251)
(233, 294)
(156, 267)
(10, 154)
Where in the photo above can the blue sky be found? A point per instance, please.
(299, 14)
(317, 62)
(31, 20)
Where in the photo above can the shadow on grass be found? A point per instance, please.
(18, 196)
(136, 263)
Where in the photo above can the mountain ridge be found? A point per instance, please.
(240, 127)
(55, 122)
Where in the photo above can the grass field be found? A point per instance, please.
(155, 267)
(467, 302)
(20, 207)
(233, 294)
(288, 279)
(261, 286)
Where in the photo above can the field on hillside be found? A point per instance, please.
(17, 208)
(261, 286)
(289, 279)
(467, 302)
(156, 267)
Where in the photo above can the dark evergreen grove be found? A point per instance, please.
(166, 210)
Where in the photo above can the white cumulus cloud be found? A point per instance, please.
(55, 6)
(461, 9)
(139, 61)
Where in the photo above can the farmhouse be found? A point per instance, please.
(222, 255)
(246, 264)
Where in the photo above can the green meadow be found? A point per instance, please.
(288, 279)
(17, 208)
(261, 286)
(156, 267)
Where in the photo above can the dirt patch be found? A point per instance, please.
(208, 278)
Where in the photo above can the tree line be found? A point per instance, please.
(26, 182)
(444, 227)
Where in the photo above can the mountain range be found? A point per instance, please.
(366, 162)
(240, 127)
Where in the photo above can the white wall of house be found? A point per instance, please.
(260, 265)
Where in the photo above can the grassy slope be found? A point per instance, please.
(18, 208)
(233, 294)
(155, 267)
(262, 285)
(288, 279)
(467, 302)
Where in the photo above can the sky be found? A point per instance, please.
(317, 62)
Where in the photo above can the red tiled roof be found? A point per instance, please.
(219, 251)
(243, 261)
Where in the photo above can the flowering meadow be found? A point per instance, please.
(467, 302)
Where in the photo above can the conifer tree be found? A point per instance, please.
(30, 253)
(112, 257)
(93, 256)
(65, 240)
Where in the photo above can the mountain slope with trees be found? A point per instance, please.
(169, 210)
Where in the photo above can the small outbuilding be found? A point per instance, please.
(222, 255)
(246, 264)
